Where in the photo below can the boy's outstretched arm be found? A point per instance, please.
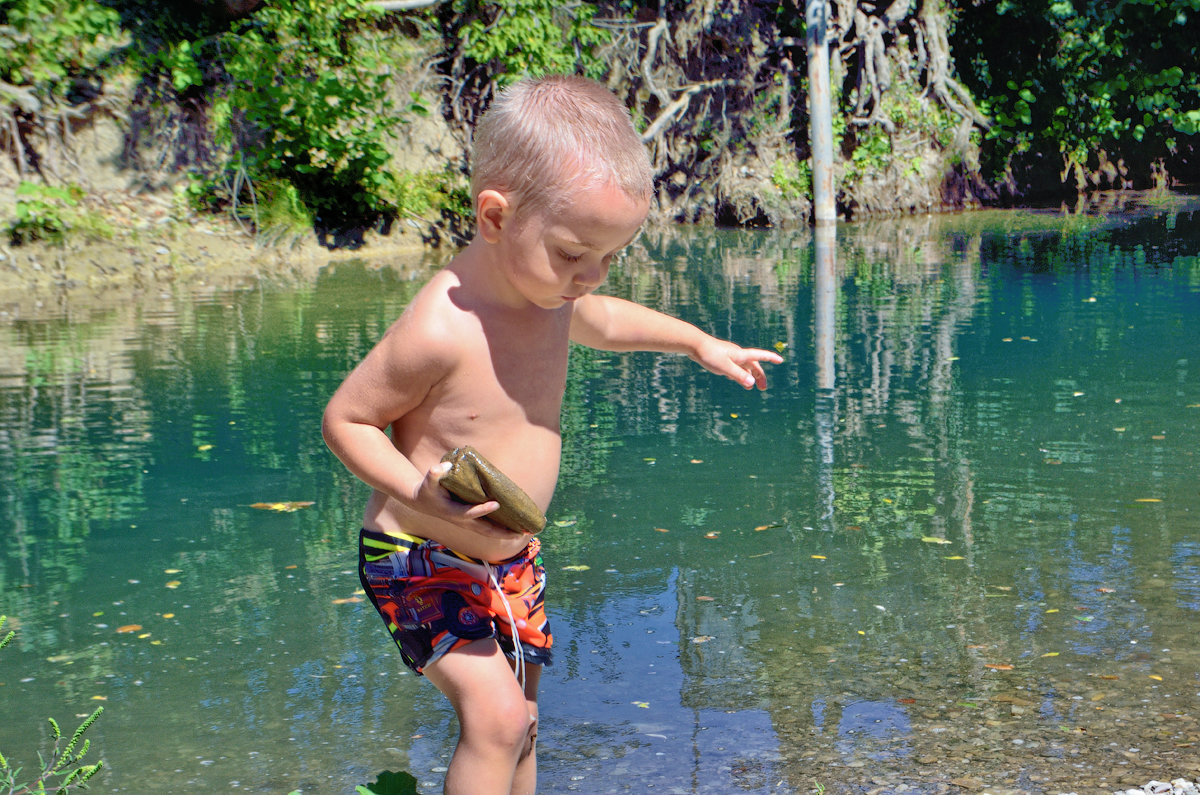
(614, 324)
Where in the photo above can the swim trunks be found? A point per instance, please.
(434, 600)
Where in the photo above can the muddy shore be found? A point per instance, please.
(154, 244)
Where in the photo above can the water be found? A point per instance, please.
(955, 544)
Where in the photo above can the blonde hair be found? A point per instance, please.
(542, 137)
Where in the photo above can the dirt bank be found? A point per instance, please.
(155, 244)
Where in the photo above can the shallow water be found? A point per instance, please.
(955, 546)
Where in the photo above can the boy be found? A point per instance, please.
(561, 184)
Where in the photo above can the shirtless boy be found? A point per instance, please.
(561, 184)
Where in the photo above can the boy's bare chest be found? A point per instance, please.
(518, 377)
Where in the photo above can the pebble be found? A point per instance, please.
(1179, 786)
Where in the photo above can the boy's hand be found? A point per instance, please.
(431, 498)
(743, 365)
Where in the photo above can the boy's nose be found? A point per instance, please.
(591, 278)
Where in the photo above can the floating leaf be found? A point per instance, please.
(771, 526)
(817, 557)
(174, 584)
(780, 347)
(935, 540)
(564, 522)
(99, 698)
(576, 567)
(1050, 654)
(642, 704)
(704, 598)
(282, 507)
(129, 628)
(697, 460)
(954, 557)
(998, 666)
(712, 534)
(661, 530)
(1148, 499)
(348, 600)
(204, 448)
(168, 615)
(1106, 590)
(703, 638)
(1052, 610)
(143, 636)
(1085, 619)
(734, 416)
(172, 571)
(1156, 677)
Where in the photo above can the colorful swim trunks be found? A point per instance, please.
(434, 600)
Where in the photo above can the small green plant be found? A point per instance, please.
(47, 212)
(62, 764)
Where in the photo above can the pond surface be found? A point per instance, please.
(954, 547)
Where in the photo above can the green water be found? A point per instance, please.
(980, 452)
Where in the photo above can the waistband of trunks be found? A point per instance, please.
(441, 554)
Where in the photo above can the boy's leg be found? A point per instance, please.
(525, 779)
(496, 719)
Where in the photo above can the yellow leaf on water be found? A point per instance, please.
(129, 628)
(564, 522)
(735, 416)
(935, 540)
(1148, 499)
(1052, 610)
(1156, 677)
(282, 507)
(99, 698)
(576, 567)
(349, 600)
(954, 557)
(704, 598)
(818, 557)
(642, 704)
(204, 448)
(697, 460)
(1050, 654)
(168, 615)
(780, 347)
(998, 666)
(171, 571)
(712, 534)
(174, 584)
(143, 635)
(661, 530)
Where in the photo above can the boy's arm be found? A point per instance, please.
(614, 324)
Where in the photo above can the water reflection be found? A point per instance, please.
(954, 540)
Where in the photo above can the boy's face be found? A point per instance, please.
(556, 256)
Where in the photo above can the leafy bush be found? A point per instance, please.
(46, 44)
(48, 212)
(63, 762)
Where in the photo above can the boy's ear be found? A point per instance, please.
(493, 211)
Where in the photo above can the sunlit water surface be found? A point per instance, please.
(955, 544)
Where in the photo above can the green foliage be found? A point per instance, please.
(793, 178)
(62, 764)
(1084, 76)
(532, 37)
(303, 102)
(45, 44)
(48, 212)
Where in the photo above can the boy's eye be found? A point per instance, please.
(569, 257)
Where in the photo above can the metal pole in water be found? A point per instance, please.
(820, 114)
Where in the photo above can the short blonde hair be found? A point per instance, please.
(542, 137)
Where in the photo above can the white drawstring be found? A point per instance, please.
(512, 623)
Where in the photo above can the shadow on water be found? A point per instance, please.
(952, 547)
